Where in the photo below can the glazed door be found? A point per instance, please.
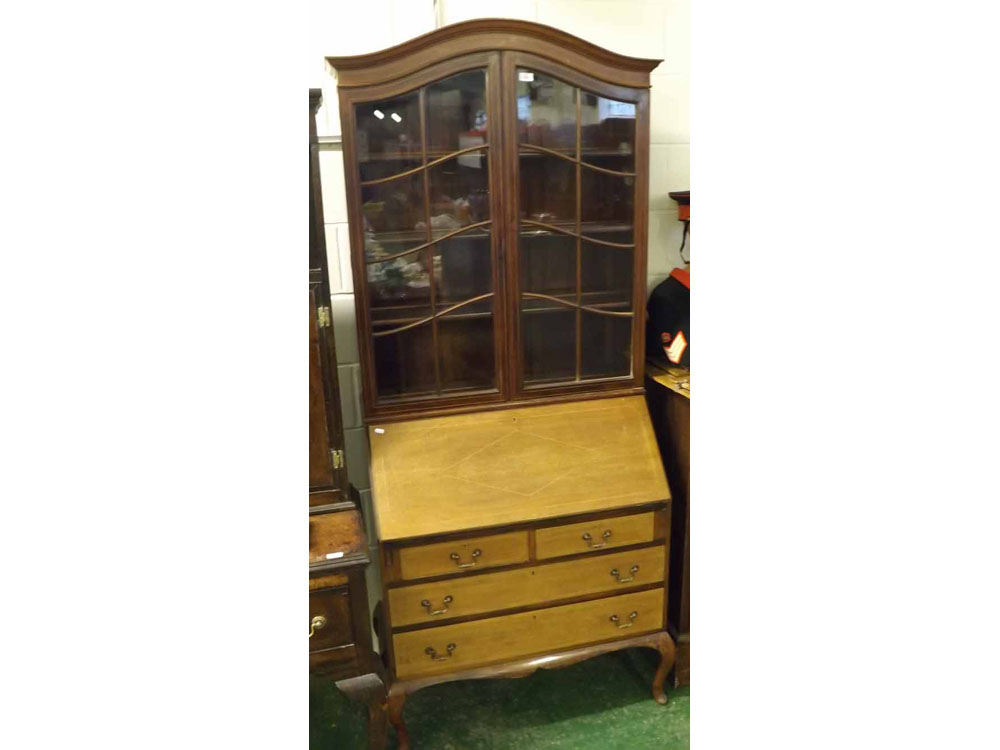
(423, 157)
(579, 181)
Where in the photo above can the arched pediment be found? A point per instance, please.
(485, 34)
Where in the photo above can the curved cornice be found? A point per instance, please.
(483, 34)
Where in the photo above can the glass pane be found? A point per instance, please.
(607, 132)
(404, 362)
(392, 215)
(606, 276)
(607, 206)
(462, 268)
(394, 208)
(547, 262)
(548, 189)
(398, 284)
(546, 112)
(456, 113)
(460, 193)
(606, 349)
(465, 340)
(548, 334)
(388, 136)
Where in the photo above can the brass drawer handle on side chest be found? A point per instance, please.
(317, 623)
(630, 623)
(433, 654)
(633, 570)
(426, 604)
(457, 558)
(589, 539)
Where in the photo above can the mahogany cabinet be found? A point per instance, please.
(497, 184)
(340, 640)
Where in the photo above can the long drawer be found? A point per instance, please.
(497, 639)
(574, 538)
(463, 555)
(461, 597)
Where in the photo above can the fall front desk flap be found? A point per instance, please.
(470, 471)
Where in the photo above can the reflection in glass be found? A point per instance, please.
(546, 111)
(607, 132)
(389, 129)
(456, 113)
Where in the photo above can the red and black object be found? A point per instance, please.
(668, 320)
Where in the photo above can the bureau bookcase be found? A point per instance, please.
(497, 177)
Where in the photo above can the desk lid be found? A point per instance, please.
(472, 471)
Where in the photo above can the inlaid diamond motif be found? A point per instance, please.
(521, 463)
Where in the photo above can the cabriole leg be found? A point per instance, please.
(396, 700)
(665, 646)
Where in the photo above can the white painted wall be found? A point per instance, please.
(643, 28)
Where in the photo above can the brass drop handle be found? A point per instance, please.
(433, 654)
(630, 623)
(427, 603)
(318, 623)
(633, 570)
(589, 539)
(456, 557)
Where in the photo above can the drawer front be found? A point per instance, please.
(333, 605)
(333, 535)
(574, 538)
(463, 555)
(327, 581)
(460, 597)
(451, 648)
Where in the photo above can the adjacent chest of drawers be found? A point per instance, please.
(340, 642)
(339, 636)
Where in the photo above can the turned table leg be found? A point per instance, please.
(665, 646)
(396, 700)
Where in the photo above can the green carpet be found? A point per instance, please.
(603, 703)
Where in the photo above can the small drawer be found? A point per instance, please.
(451, 648)
(329, 619)
(334, 535)
(574, 538)
(463, 555)
(523, 587)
